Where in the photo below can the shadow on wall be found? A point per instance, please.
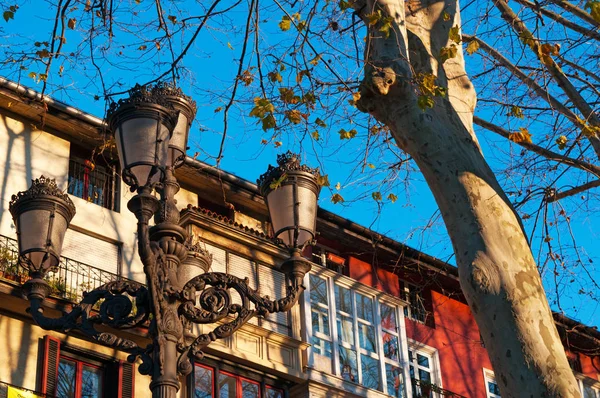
(18, 349)
(12, 137)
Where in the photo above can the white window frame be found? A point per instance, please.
(322, 336)
(584, 381)
(332, 366)
(489, 377)
(430, 352)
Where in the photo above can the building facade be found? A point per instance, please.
(378, 318)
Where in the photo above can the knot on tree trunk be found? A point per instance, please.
(380, 80)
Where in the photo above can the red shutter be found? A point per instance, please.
(50, 365)
(126, 379)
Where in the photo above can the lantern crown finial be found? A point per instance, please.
(286, 162)
(140, 94)
(43, 186)
(170, 89)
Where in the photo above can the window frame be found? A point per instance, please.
(112, 368)
(217, 368)
(433, 355)
(584, 381)
(489, 377)
(79, 364)
(331, 366)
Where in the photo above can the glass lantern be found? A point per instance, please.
(42, 215)
(186, 107)
(291, 192)
(142, 124)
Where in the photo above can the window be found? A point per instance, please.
(355, 335)
(70, 373)
(491, 387)
(319, 306)
(228, 385)
(413, 295)
(420, 365)
(93, 178)
(78, 379)
(589, 388)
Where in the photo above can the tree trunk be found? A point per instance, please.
(497, 271)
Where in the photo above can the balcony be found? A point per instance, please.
(68, 281)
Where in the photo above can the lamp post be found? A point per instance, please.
(151, 129)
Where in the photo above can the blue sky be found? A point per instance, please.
(413, 219)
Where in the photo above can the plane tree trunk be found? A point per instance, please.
(497, 272)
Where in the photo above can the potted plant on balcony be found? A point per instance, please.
(59, 287)
(9, 265)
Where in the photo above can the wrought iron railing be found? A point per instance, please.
(424, 389)
(94, 183)
(68, 281)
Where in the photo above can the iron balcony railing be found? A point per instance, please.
(68, 281)
(424, 389)
(94, 183)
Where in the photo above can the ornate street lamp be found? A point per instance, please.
(291, 192)
(151, 128)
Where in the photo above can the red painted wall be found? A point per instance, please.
(453, 333)
(587, 368)
(378, 278)
(456, 337)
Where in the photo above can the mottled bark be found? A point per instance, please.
(497, 271)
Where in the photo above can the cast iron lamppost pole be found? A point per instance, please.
(151, 129)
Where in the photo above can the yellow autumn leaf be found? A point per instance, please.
(472, 47)
(521, 136)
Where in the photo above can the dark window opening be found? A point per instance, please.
(94, 178)
(329, 259)
(416, 309)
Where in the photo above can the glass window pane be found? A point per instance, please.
(227, 386)
(348, 365)
(65, 386)
(91, 382)
(388, 317)
(320, 320)
(249, 389)
(422, 360)
(364, 307)
(318, 290)
(366, 334)
(494, 389)
(343, 299)
(370, 372)
(203, 382)
(390, 346)
(395, 381)
(345, 329)
(321, 347)
(273, 393)
(424, 376)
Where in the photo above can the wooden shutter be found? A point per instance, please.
(272, 283)
(219, 258)
(242, 268)
(126, 380)
(51, 356)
